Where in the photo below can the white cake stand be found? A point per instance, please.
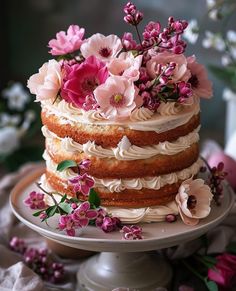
(121, 263)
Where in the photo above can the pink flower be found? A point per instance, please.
(81, 79)
(47, 83)
(193, 201)
(67, 43)
(132, 232)
(126, 65)
(35, 200)
(107, 223)
(83, 214)
(201, 85)
(67, 223)
(116, 97)
(224, 272)
(82, 183)
(180, 73)
(85, 164)
(128, 41)
(102, 47)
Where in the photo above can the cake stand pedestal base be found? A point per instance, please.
(137, 271)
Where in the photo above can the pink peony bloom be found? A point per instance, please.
(47, 83)
(193, 201)
(224, 272)
(83, 214)
(35, 200)
(67, 223)
(102, 47)
(82, 183)
(126, 65)
(180, 73)
(81, 80)
(116, 97)
(67, 43)
(201, 85)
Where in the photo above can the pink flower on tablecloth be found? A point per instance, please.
(67, 223)
(102, 47)
(35, 200)
(181, 72)
(126, 65)
(82, 183)
(83, 214)
(116, 97)
(81, 79)
(132, 232)
(201, 85)
(224, 272)
(67, 42)
(193, 201)
(47, 83)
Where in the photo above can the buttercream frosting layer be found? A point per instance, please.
(124, 150)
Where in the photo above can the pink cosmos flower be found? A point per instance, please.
(201, 85)
(67, 223)
(47, 83)
(132, 232)
(35, 200)
(193, 201)
(102, 47)
(224, 272)
(83, 214)
(67, 43)
(181, 72)
(126, 65)
(82, 183)
(81, 79)
(116, 97)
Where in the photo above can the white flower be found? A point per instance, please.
(17, 96)
(213, 41)
(231, 36)
(6, 119)
(9, 140)
(193, 201)
(226, 60)
(192, 31)
(228, 94)
(211, 3)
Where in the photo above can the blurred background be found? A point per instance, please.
(27, 26)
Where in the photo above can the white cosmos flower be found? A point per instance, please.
(192, 31)
(213, 40)
(16, 96)
(7, 119)
(9, 140)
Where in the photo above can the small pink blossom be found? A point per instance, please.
(224, 272)
(128, 41)
(82, 183)
(152, 29)
(180, 73)
(116, 97)
(106, 222)
(132, 232)
(83, 214)
(81, 80)
(67, 42)
(125, 65)
(193, 201)
(102, 47)
(67, 223)
(47, 83)
(35, 200)
(84, 164)
(201, 85)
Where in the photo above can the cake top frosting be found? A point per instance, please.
(118, 79)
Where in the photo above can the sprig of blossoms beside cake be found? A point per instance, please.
(132, 110)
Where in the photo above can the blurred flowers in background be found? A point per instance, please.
(19, 122)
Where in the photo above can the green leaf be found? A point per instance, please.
(210, 260)
(63, 198)
(211, 285)
(74, 200)
(38, 213)
(66, 208)
(225, 74)
(51, 210)
(65, 165)
(231, 248)
(94, 198)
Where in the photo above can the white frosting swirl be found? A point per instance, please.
(169, 108)
(142, 119)
(118, 185)
(125, 150)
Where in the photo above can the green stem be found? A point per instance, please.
(139, 37)
(193, 271)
